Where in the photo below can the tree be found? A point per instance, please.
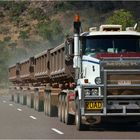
(122, 17)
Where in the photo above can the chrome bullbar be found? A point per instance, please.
(119, 94)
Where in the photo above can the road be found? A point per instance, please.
(21, 122)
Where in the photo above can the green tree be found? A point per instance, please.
(122, 17)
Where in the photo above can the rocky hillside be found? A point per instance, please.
(28, 27)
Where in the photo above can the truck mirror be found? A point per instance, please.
(69, 49)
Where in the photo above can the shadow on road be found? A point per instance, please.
(116, 127)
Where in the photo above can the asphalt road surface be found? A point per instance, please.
(21, 122)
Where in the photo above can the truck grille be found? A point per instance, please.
(121, 78)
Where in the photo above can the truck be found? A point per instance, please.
(92, 77)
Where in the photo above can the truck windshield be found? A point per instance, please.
(111, 44)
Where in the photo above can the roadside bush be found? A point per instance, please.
(23, 35)
(7, 39)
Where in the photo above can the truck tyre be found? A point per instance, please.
(49, 105)
(37, 104)
(41, 104)
(63, 108)
(32, 101)
(18, 98)
(69, 119)
(60, 108)
(52, 110)
(12, 97)
(78, 118)
(46, 104)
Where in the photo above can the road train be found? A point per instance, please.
(92, 76)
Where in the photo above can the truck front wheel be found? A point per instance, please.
(69, 118)
(78, 118)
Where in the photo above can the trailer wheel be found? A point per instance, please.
(49, 105)
(52, 110)
(35, 103)
(46, 104)
(12, 97)
(18, 98)
(78, 118)
(63, 108)
(60, 108)
(32, 101)
(69, 119)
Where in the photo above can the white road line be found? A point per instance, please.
(19, 109)
(10, 104)
(57, 131)
(33, 117)
(4, 101)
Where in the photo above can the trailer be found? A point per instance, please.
(91, 77)
(14, 78)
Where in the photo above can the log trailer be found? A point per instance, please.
(92, 76)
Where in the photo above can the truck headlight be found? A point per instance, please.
(98, 80)
(87, 92)
(91, 92)
(95, 91)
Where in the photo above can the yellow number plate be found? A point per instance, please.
(93, 105)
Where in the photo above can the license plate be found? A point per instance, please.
(124, 82)
(93, 105)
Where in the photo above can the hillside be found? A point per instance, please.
(28, 27)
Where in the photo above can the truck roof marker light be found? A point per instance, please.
(77, 18)
(86, 80)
